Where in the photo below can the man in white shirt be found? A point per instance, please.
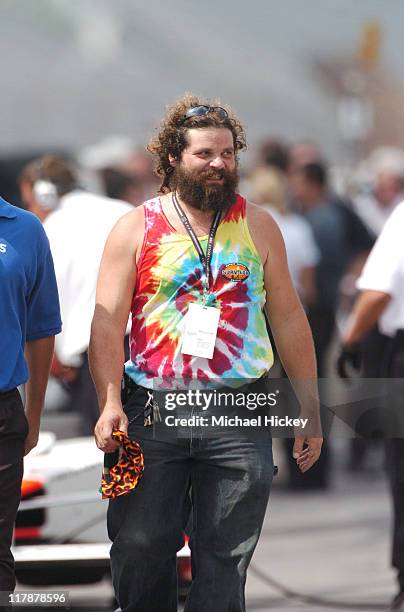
(382, 301)
(77, 224)
(386, 168)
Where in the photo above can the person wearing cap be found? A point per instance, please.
(381, 302)
(196, 266)
(29, 320)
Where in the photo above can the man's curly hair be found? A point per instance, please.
(171, 139)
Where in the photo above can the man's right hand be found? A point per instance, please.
(112, 417)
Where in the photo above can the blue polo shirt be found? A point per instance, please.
(29, 303)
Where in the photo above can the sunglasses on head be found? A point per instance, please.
(200, 111)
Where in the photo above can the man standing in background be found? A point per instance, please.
(385, 167)
(338, 244)
(382, 302)
(77, 224)
(384, 171)
(29, 320)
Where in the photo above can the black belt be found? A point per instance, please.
(9, 392)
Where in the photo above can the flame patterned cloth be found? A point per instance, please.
(125, 475)
(169, 277)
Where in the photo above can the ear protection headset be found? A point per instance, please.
(46, 194)
(44, 191)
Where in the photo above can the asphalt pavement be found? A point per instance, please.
(319, 551)
(325, 551)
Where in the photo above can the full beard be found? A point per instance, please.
(194, 190)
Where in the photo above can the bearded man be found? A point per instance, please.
(196, 267)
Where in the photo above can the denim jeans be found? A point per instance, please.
(227, 478)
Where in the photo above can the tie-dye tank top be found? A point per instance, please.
(169, 277)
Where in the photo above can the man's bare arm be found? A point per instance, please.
(116, 283)
(38, 354)
(307, 279)
(291, 333)
(369, 306)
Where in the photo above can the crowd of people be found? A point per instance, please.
(328, 235)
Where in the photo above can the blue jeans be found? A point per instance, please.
(228, 480)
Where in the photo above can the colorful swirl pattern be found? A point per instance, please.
(170, 277)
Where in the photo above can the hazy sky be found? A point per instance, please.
(74, 70)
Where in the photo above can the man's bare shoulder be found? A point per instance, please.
(128, 232)
(260, 214)
(132, 219)
(132, 223)
(263, 229)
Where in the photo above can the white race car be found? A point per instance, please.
(60, 534)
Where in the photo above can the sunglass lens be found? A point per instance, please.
(221, 112)
(197, 111)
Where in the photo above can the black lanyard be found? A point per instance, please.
(205, 259)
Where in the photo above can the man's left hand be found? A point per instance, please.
(348, 356)
(306, 451)
(32, 438)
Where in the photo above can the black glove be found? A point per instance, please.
(349, 355)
